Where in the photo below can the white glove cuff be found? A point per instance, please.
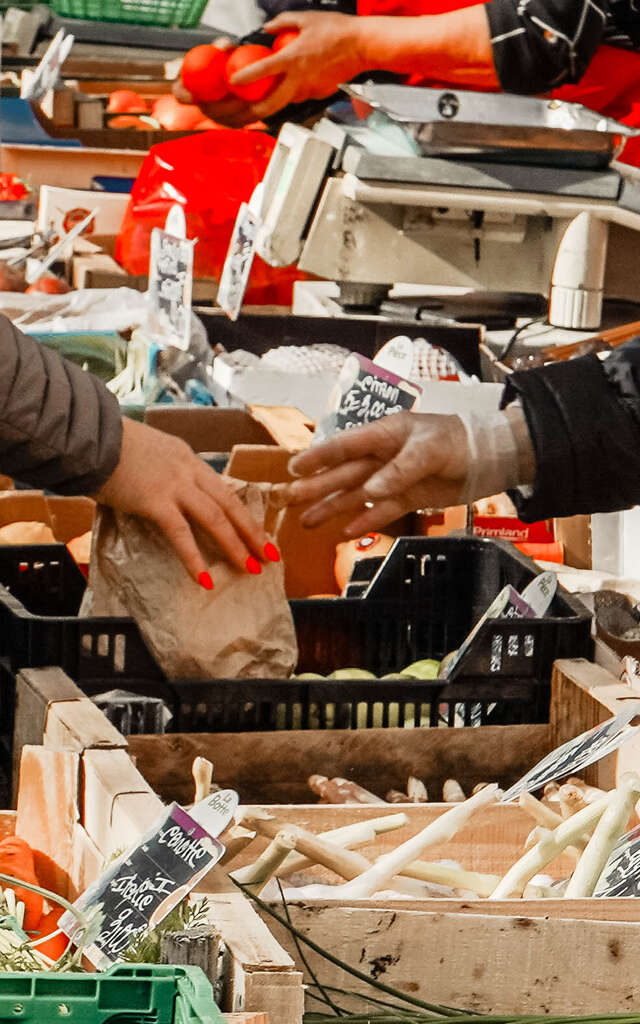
(494, 456)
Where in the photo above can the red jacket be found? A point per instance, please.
(611, 85)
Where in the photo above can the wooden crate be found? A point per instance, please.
(568, 956)
(102, 805)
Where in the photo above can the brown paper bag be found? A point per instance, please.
(242, 629)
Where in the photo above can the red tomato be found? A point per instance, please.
(12, 188)
(48, 924)
(129, 121)
(284, 39)
(239, 59)
(50, 285)
(125, 101)
(175, 116)
(203, 73)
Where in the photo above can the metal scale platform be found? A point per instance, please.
(516, 198)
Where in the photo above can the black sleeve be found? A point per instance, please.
(584, 421)
(60, 428)
(541, 44)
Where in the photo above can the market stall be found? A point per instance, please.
(263, 769)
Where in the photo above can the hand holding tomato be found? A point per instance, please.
(323, 51)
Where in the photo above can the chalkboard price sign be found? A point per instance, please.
(578, 753)
(365, 392)
(139, 889)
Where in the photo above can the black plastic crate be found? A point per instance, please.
(421, 603)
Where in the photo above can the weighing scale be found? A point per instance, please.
(477, 192)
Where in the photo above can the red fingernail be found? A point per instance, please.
(271, 552)
(204, 579)
(253, 566)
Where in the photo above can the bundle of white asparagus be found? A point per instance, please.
(572, 818)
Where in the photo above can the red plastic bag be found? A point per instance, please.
(209, 174)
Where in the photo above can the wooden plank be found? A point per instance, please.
(49, 782)
(482, 963)
(118, 804)
(35, 689)
(270, 768)
(262, 976)
(79, 725)
(86, 864)
(583, 696)
(69, 167)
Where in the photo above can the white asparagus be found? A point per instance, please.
(537, 833)
(394, 796)
(548, 819)
(202, 771)
(346, 863)
(347, 836)
(452, 792)
(539, 811)
(456, 878)
(379, 875)
(262, 869)
(416, 791)
(478, 786)
(540, 892)
(552, 844)
(571, 799)
(591, 793)
(606, 834)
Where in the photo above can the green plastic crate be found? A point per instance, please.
(162, 13)
(136, 994)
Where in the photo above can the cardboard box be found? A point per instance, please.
(66, 517)
(208, 429)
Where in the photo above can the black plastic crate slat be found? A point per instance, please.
(421, 603)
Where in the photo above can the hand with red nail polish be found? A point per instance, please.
(160, 478)
(204, 579)
(271, 552)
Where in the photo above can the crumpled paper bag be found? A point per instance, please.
(241, 629)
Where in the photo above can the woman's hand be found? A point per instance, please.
(160, 478)
(381, 471)
(327, 52)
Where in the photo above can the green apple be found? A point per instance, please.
(426, 669)
(351, 673)
(447, 658)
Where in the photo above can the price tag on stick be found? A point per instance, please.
(237, 266)
(139, 889)
(171, 281)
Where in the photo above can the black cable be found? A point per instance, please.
(305, 963)
(516, 334)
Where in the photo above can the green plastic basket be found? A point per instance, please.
(162, 13)
(136, 994)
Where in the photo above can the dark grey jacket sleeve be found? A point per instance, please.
(541, 44)
(60, 427)
(584, 421)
